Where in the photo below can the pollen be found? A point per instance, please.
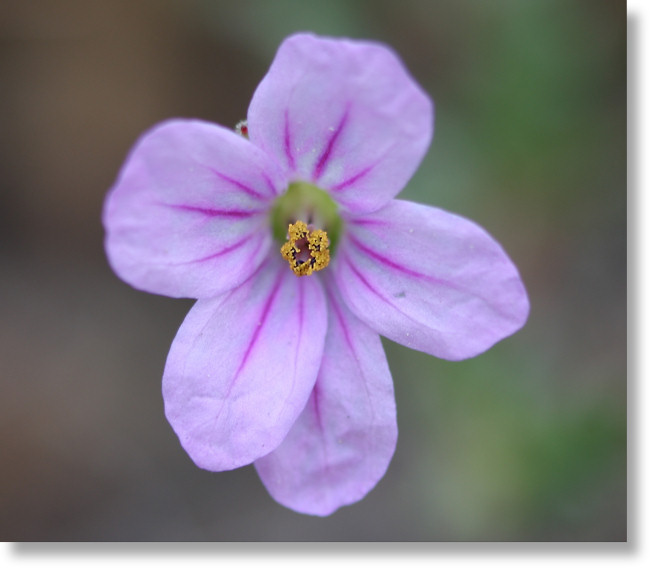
(307, 250)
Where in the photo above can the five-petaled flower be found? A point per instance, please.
(288, 234)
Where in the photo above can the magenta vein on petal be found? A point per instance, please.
(353, 179)
(226, 250)
(209, 212)
(350, 344)
(238, 184)
(441, 282)
(269, 184)
(258, 329)
(392, 264)
(388, 262)
(325, 156)
(287, 141)
(367, 284)
(301, 318)
(251, 344)
(367, 221)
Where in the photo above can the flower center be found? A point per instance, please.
(306, 220)
(307, 250)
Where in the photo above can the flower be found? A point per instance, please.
(288, 234)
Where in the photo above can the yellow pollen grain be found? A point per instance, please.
(317, 242)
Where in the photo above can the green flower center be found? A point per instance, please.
(306, 222)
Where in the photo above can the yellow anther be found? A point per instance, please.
(307, 250)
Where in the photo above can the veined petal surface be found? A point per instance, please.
(342, 443)
(430, 280)
(187, 216)
(243, 365)
(344, 115)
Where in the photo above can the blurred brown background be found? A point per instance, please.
(525, 442)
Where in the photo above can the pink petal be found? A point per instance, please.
(242, 366)
(430, 280)
(341, 445)
(187, 216)
(345, 115)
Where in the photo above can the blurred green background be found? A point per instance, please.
(525, 442)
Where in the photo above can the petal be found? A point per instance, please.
(430, 280)
(242, 366)
(341, 445)
(344, 115)
(187, 216)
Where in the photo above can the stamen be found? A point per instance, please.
(307, 250)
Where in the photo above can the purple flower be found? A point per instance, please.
(290, 238)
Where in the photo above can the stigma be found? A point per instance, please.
(306, 250)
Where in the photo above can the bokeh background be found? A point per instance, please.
(525, 442)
